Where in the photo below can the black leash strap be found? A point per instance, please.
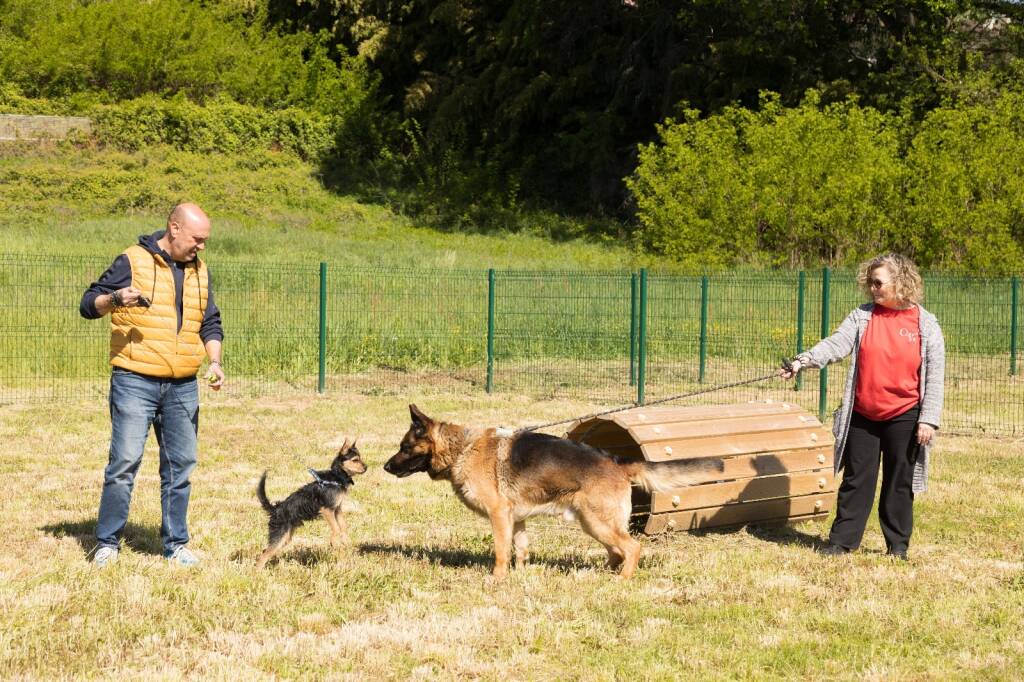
(653, 402)
(312, 472)
(321, 482)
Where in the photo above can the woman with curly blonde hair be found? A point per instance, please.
(891, 405)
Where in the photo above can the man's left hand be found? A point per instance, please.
(215, 375)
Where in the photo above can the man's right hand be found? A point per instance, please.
(127, 297)
(122, 298)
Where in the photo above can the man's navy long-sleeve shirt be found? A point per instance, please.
(119, 276)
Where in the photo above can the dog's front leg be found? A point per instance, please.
(342, 528)
(521, 542)
(337, 532)
(501, 527)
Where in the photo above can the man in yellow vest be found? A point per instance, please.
(163, 321)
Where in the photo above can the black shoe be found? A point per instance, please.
(833, 550)
(900, 554)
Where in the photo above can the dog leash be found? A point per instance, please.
(786, 364)
(321, 482)
(312, 472)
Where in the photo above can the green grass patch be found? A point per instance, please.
(265, 206)
(410, 598)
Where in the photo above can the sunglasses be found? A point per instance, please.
(877, 283)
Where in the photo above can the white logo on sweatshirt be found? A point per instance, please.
(911, 336)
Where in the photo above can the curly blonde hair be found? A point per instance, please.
(909, 287)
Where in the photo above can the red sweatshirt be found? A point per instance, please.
(889, 364)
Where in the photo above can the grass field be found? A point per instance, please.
(410, 598)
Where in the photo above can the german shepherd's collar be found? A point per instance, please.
(509, 477)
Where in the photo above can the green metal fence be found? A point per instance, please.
(611, 337)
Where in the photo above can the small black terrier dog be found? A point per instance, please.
(321, 497)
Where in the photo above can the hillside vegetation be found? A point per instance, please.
(265, 206)
(712, 135)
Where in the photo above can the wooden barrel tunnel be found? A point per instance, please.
(776, 462)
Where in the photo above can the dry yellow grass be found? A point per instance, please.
(410, 598)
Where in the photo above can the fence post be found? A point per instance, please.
(1013, 326)
(800, 323)
(322, 381)
(703, 328)
(490, 330)
(632, 328)
(641, 378)
(826, 276)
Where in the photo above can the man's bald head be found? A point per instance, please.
(187, 214)
(188, 228)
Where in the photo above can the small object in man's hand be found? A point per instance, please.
(144, 302)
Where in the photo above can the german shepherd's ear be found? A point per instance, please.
(420, 421)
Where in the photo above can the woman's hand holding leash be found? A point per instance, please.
(790, 368)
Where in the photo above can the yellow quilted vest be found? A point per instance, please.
(147, 340)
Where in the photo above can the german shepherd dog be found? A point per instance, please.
(318, 498)
(509, 477)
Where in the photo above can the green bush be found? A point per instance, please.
(221, 126)
(966, 187)
(693, 195)
(123, 49)
(836, 184)
(826, 182)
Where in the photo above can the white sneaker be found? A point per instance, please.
(105, 556)
(183, 557)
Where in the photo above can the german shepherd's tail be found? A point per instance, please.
(659, 476)
(261, 493)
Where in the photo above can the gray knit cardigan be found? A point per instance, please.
(846, 341)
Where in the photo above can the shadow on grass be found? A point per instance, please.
(782, 534)
(779, 533)
(467, 558)
(304, 556)
(142, 539)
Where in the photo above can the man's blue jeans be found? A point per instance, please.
(172, 407)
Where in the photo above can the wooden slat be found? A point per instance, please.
(738, 444)
(605, 435)
(594, 428)
(732, 514)
(790, 461)
(614, 442)
(755, 423)
(744, 490)
(664, 415)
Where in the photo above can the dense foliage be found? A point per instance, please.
(556, 94)
(260, 87)
(222, 126)
(888, 124)
(834, 184)
(122, 49)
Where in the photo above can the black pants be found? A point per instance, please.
(896, 441)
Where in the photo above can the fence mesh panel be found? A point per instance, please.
(543, 334)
